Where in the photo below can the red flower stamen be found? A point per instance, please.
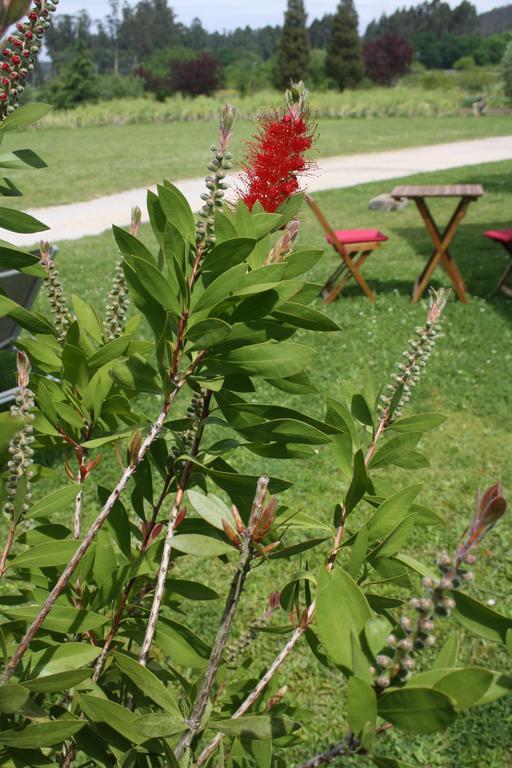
(275, 158)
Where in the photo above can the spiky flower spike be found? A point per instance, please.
(118, 299)
(398, 394)
(276, 156)
(22, 49)
(54, 290)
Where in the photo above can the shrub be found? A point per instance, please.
(506, 71)
(198, 77)
(387, 58)
(102, 663)
(464, 63)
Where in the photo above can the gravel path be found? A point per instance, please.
(76, 220)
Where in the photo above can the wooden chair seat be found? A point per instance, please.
(504, 237)
(357, 236)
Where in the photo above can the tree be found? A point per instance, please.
(344, 62)
(387, 58)
(77, 84)
(506, 71)
(293, 52)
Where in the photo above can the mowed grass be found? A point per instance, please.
(89, 162)
(468, 379)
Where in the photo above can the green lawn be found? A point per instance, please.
(468, 379)
(94, 161)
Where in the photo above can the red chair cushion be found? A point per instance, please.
(351, 236)
(500, 235)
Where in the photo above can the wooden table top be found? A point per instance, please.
(439, 190)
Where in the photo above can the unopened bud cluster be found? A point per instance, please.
(118, 299)
(215, 183)
(285, 245)
(185, 440)
(20, 447)
(416, 634)
(421, 346)
(20, 54)
(55, 292)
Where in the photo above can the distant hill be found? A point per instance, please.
(497, 20)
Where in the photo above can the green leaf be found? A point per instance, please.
(191, 590)
(395, 450)
(361, 705)
(358, 552)
(148, 683)
(12, 698)
(17, 221)
(56, 502)
(61, 681)
(100, 710)
(481, 619)
(14, 258)
(285, 431)
(418, 710)
(376, 632)
(208, 333)
(180, 644)
(301, 261)
(422, 422)
(62, 658)
(391, 512)
(46, 555)
(177, 210)
(256, 727)
(42, 734)
(9, 426)
(297, 549)
(269, 360)
(29, 320)
(201, 546)
(447, 656)
(23, 116)
(61, 619)
(395, 540)
(466, 686)
(304, 317)
(210, 508)
(341, 609)
(228, 254)
(136, 375)
(155, 284)
(361, 410)
(159, 725)
(359, 483)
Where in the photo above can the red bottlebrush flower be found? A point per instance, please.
(276, 157)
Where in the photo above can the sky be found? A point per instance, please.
(228, 14)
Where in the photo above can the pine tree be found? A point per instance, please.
(292, 61)
(344, 62)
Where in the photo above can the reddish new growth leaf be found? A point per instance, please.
(276, 157)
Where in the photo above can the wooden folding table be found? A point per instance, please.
(442, 240)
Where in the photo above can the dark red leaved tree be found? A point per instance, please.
(197, 77)
(387, 58)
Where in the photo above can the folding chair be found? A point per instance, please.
(504, 237)
(353, 246)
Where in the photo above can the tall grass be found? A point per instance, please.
(400, 101)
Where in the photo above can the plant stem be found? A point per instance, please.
(79, 499)
(171, 525)
(8, 544)
(262, 684)
(116, 623)
(88, 539)
(232, 602)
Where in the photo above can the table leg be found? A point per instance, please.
(441, 242)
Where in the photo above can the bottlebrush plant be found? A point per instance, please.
(106, 662)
